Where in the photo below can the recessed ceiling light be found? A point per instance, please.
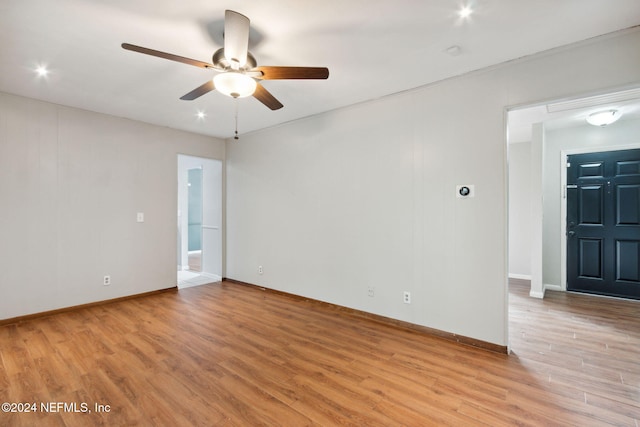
(603, 118)
(201, 115)
(465, 12)
(42, 71)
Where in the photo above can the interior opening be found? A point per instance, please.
(199, 216)
(539, 138)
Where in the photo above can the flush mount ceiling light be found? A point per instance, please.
(235, 84)
(603, 118)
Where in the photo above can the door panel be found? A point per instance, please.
(628, 168)
(591, 170)
(591, 205)
(590, 258)
(628, 205)
(628, 259)
(603, 223)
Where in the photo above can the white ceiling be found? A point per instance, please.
(372, 48)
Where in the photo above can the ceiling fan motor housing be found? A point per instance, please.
(220, 61)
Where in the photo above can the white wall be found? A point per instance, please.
(71, 183)
(365, 196)
(586, 137)
(520, 210)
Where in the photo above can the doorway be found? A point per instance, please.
(538, 139)
(603, 223)
(199, 221)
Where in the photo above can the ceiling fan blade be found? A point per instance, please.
(236, 37)
(199, 91)
(284, 73)
(165, 55)
(264, 96)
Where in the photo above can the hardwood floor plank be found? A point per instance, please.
(472, 390)
(326, 404)
(613, 406)
(259, 407)
(420, 399)
(182, 401)
(507, 416)
(620, 392)
(271, 379)
(100, 389)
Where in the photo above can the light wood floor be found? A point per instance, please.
(228, 354)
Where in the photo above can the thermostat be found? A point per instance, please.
(465, 191)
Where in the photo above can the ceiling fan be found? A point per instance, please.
(238, 74)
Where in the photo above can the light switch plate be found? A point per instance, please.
(140, 217)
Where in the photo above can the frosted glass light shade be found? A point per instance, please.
(234, 84)
(603, 118)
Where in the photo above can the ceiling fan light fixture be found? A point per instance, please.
(234, 84)
(603, 118)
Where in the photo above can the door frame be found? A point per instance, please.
(214, 267)
(563, 201)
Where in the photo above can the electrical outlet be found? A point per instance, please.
(371, 291)
(406, 298)
(260, 269)
(106, 281)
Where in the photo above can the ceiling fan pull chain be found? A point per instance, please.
(236, 135)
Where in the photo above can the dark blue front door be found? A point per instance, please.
(603, 223)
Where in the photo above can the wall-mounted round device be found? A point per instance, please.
(465, 191)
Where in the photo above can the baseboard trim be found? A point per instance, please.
(520, 276)
(536, 294)
(484, 345)
(81, 306)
